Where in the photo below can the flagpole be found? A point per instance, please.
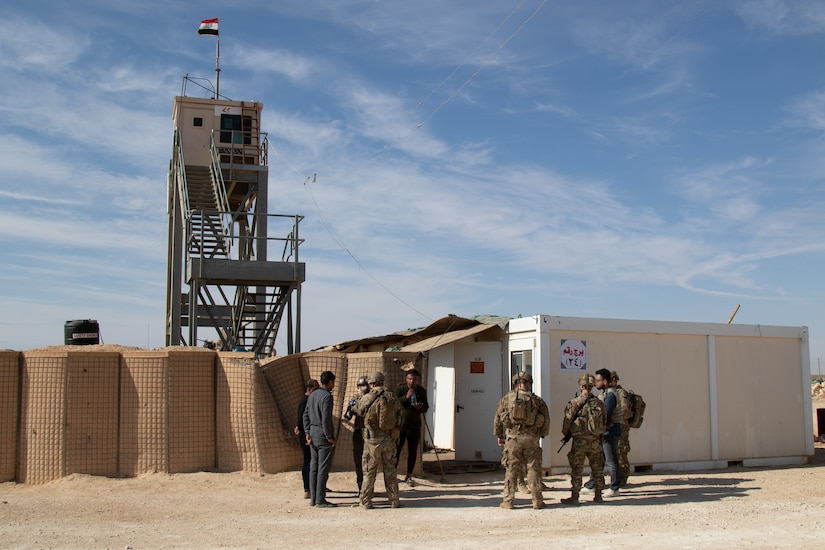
(210, 26)
(217, 67)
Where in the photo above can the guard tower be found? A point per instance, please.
(220, 280)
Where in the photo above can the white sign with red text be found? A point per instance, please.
(573, 355)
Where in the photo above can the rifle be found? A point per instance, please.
(568, 437)
(564, 441)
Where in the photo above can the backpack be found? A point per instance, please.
(522, 409)
(591, 418)
(390, 417)
(387, 417)
(638, 406)
(626, 403)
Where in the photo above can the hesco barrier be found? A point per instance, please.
(9, 400)
(251, 435)
(111, 411)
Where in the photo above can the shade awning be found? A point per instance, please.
(448, 337)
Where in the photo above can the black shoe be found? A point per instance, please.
(326, 504)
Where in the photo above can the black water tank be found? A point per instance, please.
(82, 332)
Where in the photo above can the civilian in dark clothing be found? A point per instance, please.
(310, 386)
(414, 403)
(320, 435)
(358, 431)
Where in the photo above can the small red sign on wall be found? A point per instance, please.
(476, 367)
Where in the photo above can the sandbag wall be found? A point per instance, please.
(9, 387)
(286, 378)
(111, 411)
(167, 412)
(67, 410)
(251, 434)
(68, 415)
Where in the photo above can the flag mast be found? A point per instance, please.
(210, 26)
(217, 66)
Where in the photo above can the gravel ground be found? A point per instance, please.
(731, 508)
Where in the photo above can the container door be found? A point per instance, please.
(478, 390)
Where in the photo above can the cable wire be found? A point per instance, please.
(311, 180)
(480, 67)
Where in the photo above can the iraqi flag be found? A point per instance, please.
(208, 26)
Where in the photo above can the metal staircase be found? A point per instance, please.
(207, 235)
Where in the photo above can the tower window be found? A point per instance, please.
(197, 121)
(236, 129)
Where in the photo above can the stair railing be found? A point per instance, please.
(220, 193)
(180, 177)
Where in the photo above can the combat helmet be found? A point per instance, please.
(376, 377)
(363, 381)
(523, 375)
(614, 376)
(587, 380)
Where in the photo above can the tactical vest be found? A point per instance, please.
(383, 417)
(523, 412)
(590, 419)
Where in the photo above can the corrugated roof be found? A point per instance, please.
(447, 337)
(446, 325)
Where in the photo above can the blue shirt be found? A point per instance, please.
(610, 404)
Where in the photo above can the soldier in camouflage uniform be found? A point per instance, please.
(379, 444)
(624, 441)
(522, 486)
(585, 444)
(521, 420)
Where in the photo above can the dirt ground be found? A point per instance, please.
(731, 508)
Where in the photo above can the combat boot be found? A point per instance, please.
(598, 496)
(573, 500)
(523, 487)
(506, 504)
(538, 504)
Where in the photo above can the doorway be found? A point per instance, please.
(478, 389)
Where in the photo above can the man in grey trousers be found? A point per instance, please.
(321, 439)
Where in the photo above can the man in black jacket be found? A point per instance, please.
(414, 403)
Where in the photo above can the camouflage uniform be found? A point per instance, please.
(585, 446)
(379, 447)
(624, 441)
(521, 444)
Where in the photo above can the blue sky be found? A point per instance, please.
(643, 159)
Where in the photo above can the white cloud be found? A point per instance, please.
(783, 17)
(808, 111)
(33, 46)
(279, 61)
